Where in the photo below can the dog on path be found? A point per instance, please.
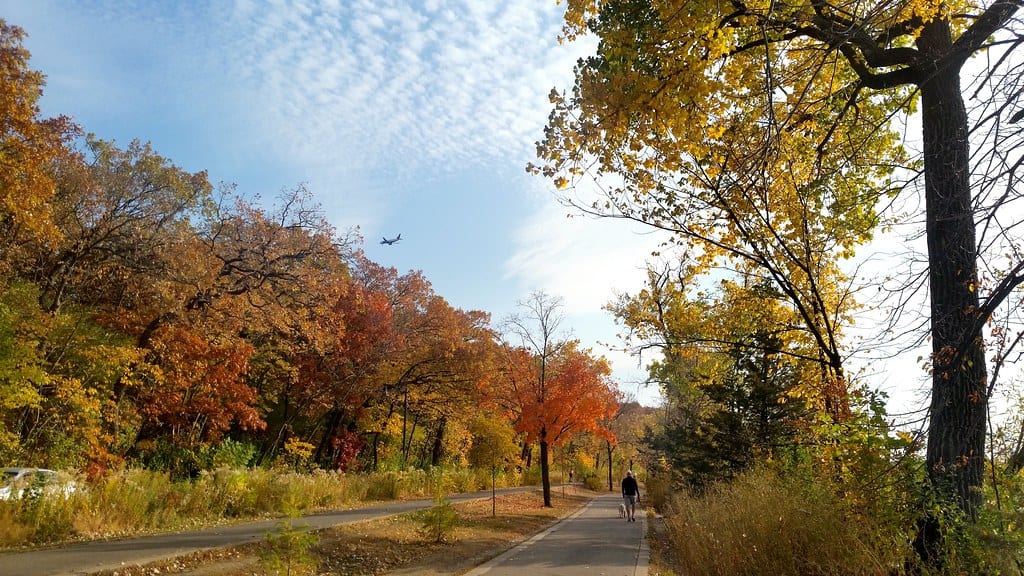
(622, 510)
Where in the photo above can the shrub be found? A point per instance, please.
(658, 491)
(385, 486)
(286, 551)
(233, 454)
(298, 455)
(992, 545)
(438, 522)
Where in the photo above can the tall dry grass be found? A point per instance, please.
(139, 501)
(765, 524)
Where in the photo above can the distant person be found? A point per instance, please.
(630, 495)
(570, 476)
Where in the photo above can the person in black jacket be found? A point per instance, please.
(630, 495)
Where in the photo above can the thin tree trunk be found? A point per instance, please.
(545, 477)
(611, 480)
(376, 452)
(438, 452)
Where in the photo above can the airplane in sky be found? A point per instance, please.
(391, 241)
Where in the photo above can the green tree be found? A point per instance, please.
(739, 381)
(751, 416)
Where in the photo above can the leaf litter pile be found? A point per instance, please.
(392, 545)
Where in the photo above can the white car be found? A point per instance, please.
(28, 482)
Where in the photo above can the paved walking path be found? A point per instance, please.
(591, 542)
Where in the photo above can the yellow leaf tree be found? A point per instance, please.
(27, 144)
(764, 133)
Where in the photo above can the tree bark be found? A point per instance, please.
(545, 477)
(611, 480)
(437, 453)
(956, 435)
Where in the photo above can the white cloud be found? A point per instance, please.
(367, 101)
(397, 85)
(586, 262)
(581, 260)
(338, 90)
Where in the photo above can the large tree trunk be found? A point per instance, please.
(956, 435)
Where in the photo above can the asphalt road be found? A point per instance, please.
(88, 557)
(593, 541)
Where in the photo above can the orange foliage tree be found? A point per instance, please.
(404, 366)
(439, 378)
(200, 392)
(552, 388)
(145, 312)
(148, 250)
(27, 145)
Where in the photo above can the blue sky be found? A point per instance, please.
(401, 116)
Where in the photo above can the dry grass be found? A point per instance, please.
(663, 560)
(762, 523)
(134, 501)
(394, 545)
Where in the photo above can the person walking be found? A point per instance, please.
(630, 495)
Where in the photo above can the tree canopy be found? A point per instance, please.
(150, 317)
(765, 138)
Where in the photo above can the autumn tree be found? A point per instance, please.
(449, 356)
(28, 143)
(356, 366)
(553, 388)
(51, 408)
(124, 215)
(200, 280)
(494, 441)
(626, 438)
(144, 309)
(748, 114)
(731, 199)
(493, 447)
(268, 276)
(739, 381)
(389, 366)
(115, 213)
